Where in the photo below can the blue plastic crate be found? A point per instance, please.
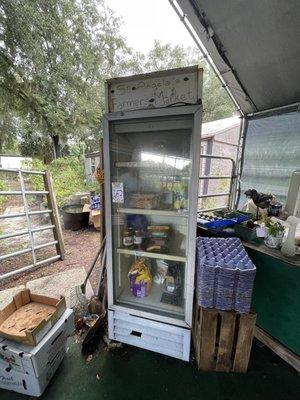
(224, 222)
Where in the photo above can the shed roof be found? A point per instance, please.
(254, 45)
(212, 128)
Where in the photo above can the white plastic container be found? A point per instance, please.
(262, 231)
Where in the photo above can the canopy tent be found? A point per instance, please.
(254, 46)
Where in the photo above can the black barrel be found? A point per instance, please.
(74, 218)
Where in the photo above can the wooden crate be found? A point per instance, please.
(222, 339)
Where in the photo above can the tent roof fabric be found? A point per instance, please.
(255, 46)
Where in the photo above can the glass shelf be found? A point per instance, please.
(141, 253)
(141, 211)
(158, 168)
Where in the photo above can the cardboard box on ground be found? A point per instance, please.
(28, 369)
(28, 317)
(33, 360)
(28, 384)
(95, 216)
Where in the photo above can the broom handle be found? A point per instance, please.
(94, 261)
(103, 262)
(104, 299)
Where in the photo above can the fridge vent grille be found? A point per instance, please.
(150, 335)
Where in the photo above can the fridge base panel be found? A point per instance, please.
(151, 335)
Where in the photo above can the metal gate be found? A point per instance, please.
(232, 177)
(51, 210)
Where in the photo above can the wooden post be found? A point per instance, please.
(54, 215)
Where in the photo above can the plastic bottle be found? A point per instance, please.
(288, 247)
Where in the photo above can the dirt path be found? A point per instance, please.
(81, 247)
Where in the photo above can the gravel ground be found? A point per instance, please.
(81, 247)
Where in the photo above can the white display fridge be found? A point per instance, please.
(151, 160)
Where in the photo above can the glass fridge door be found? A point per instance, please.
(150, 174)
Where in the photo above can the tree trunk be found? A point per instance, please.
(56, 147)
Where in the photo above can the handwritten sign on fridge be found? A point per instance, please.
(180, 86)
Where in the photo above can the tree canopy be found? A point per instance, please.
(216, 102)
(54, 58)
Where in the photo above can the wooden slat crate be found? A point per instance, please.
(222, 339)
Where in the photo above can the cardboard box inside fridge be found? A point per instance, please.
(20, 382)
(33, 360)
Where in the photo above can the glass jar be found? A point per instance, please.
(138, 239)
(127, 237)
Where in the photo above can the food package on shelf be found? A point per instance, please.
(140, 278)
(161, 272)
(158, 238)
(143, 200)
(172, 286)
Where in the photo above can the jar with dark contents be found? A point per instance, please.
(138, 239)
(127, 237)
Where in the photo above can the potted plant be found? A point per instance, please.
(275, 234)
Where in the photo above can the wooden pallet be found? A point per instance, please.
(222, 339)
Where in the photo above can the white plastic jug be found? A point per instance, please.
(288, 247)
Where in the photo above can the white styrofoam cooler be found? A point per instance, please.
(162, 338)
(28, 384)
(31, 360)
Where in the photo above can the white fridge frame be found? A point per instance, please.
(196, 111)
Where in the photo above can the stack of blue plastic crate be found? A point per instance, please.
(224, 274)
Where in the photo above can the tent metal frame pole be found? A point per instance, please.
(238, 163)
(241, 160)
(205, 54)
(272, 109)
(235, 186)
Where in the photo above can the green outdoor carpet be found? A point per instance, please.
(135, 374)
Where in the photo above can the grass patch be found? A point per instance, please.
(68, 177)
